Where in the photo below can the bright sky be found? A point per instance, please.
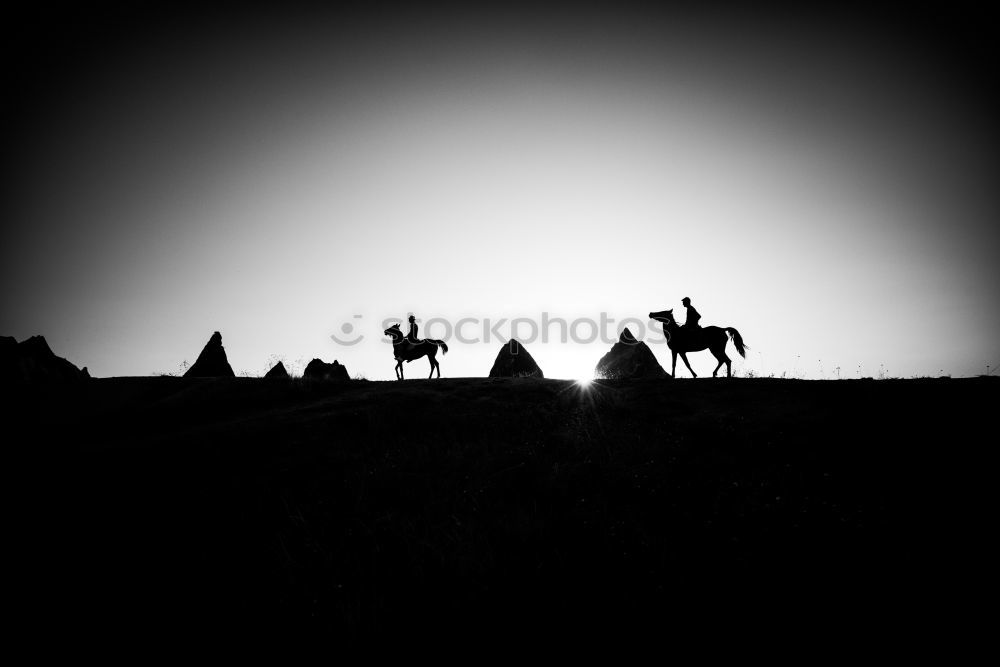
(827, 189)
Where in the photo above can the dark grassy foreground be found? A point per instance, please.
(172, 507)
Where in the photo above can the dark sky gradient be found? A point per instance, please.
(823, 180)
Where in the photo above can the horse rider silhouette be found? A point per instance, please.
(692, 315)
(692, 338)
(412, 334)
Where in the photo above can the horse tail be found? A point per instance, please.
(443, 345)
(738, 341)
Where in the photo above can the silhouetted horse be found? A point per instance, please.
(682, 340)
(404, 350)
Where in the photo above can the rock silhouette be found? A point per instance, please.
(278, 371)
(319, 370)
(212, 361)
(33, 363)
(629, 358)
(513, 360)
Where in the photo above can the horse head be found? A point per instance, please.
(394, 331)
(665, 316)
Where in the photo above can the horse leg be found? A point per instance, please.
(720, 355)
(399, 369)
(717, 366)
(684, 357)
(673, 368)
(723, 359)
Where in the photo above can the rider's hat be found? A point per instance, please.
(685, 299)
(412, 318)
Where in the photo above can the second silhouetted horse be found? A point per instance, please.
(682, 340)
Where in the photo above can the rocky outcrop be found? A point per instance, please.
(513, 360)
(212, 362)
(629, 358)
(318, 370)
(33, 363)
(278, 371)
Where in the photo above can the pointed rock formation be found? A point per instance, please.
(278, 371)
(33, 363)
(319, 370)
(513, 360)
(629, 358)
(212, 361)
